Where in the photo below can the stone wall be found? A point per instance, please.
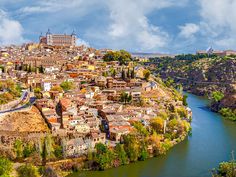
(10, 104)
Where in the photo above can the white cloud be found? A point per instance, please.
(129, 23)
(82, 42)
(218, 22)
(188, 30)
(51, 6)
(11, 31)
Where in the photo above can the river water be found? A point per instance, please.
(212, 141)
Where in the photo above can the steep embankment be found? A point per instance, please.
(24, 121)
(203, 77)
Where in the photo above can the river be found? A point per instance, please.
(212, 141)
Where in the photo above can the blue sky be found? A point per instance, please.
(163, 26)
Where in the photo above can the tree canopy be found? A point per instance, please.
(217, 96)
(146, 74)
(67, 85)
(122, 56)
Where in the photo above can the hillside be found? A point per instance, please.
(25, 121)
(202, 76)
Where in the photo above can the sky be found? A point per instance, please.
(160, 26)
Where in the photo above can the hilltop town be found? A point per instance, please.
(60, 101)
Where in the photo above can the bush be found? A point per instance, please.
(67, 85)
(182, 112)
(28, 170)
(58, 152)
(228, 113)
(217, 96)
(226, 169)
(157, 124)
(5, 166)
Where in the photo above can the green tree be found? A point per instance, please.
(37, 92)
(28, 170)
(67, 85)
(58, 151)
(101, 148)
(5, 167)
(141, 129)
(16, 66)
(122, 56)
(3, 68)
(131, 146)
(125, 97)
(226, 169)
(228, 113)
(157, 124)
(125, 57)
(57, 88)
(105, 74)
(47, 150)
(169, 82)
(113, 72)
(121, 154)
(185, 103)
(104, 156)
(123, 75)
(128, 73)
(143, 152)
(28, 150)
(18, 148)
(41, 69)
(217, 96)
(146, 74)
(29, 70)
(133, 74)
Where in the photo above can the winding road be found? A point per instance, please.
(26, 106)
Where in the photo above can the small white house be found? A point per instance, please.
(46, 86)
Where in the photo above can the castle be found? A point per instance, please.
(58, 39)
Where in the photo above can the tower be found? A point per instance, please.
(41, 36)
(73, 40)
(49, 37)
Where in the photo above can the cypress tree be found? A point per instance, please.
(128, 73)
(29, 69)
(123, 74)
(132, 74)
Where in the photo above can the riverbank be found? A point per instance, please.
(202, 76)
(212, 141)
(134, 148)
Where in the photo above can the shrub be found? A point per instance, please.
(228, 113)
(28, 170)
(5, 166)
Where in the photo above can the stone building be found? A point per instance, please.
(58, 39)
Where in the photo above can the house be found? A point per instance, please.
(46, 85)
(117, 132)
(97, 137)
(82, 128)
(67, 105)
(150, 86)
(75, 147)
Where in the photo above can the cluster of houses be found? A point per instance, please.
(92, 111)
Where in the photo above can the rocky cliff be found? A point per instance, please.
(202, 76)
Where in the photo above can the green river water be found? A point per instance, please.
(212, 141)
